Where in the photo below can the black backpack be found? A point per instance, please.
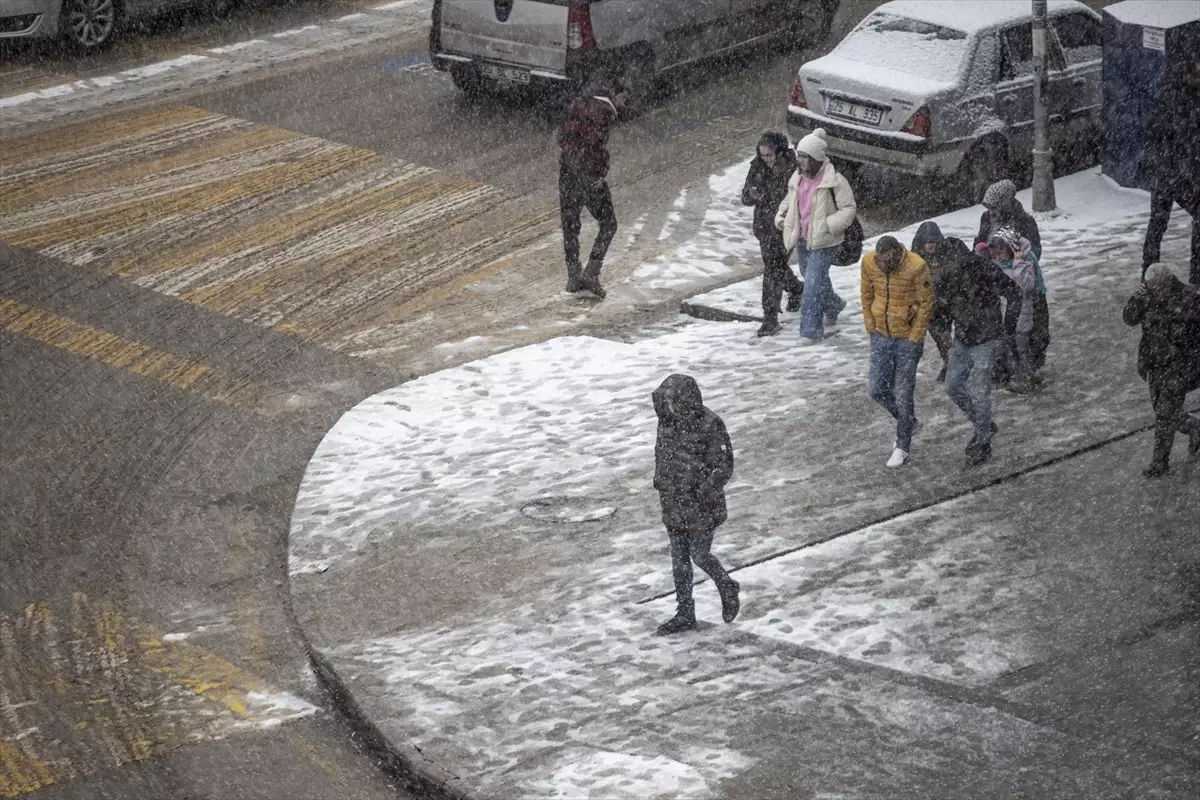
(850, 250)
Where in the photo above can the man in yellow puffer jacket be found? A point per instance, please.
(897, 301)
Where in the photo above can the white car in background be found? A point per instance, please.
(946, 88)
(87, 25)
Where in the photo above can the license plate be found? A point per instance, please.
(507, 74)
(853, 111)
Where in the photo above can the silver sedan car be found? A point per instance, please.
(86, 24)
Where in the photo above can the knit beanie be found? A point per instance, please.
(813, 145)
(1000, 193)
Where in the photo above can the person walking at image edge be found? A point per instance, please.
(814, 216)
(969, 296)
(766, 187)
(1004, 210)
(1168, 358)
(897, 301)
(1173, 159)
(693, 460)
(941, 257)
(582, 173)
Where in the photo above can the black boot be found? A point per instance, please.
(574, 278)
(591, 279)
(770, 327)
(978, 454)
(682, 621)
(795, 300)
(1160, 462)
(730, 604)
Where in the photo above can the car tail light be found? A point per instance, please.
(920, 123)
(798, 95)
(579, 29)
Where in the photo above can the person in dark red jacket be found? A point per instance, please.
(583, 168)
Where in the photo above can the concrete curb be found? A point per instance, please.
(406, 764)
(712, 314)
(988, 484)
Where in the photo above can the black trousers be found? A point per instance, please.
(1167, 396)
(686, 547)
(777, 276)
(1162, 198)
(575, 193)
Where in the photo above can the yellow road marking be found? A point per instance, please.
(109, 691)
(140, 359)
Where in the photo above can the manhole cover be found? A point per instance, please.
(567, 509)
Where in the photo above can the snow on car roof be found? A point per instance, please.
(1155, 13)
(971, 16)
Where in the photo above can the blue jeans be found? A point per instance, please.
(819, 297)
(969, 384)
(892, 382)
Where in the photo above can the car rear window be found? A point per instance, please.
(906, 45)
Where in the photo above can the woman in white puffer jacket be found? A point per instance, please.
(814, 216)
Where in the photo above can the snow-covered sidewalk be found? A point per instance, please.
(469, 549)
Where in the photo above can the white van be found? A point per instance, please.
(560, 44)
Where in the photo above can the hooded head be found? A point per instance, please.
(929, 233)
(775, 151)
(678, 398)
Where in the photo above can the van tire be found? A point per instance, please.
(641, 77)
(467, 81)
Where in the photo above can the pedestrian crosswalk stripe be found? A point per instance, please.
(273, 227)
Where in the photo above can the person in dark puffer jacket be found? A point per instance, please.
(766, 187)
(931, 245)
(1168, 357)
(693, 460)
(582, 173)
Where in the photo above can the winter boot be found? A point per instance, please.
(677, 624)
(795, 301)
(574, 278)
(591, 279)
(978, 454)
(730, 604)
(1160, 461)
(770, 327)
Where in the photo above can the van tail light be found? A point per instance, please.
(579, 29)
(920, 123)
(798, 95)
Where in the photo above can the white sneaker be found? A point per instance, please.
(898, 458)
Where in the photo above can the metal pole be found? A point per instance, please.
(1043, 166)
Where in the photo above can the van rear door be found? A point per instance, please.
(528, 33)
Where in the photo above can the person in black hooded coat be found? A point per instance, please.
(941, 257)
(1168, 357)
(765, 188)
(693, 460)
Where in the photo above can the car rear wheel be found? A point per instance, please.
(987, 163)
(89, 25)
